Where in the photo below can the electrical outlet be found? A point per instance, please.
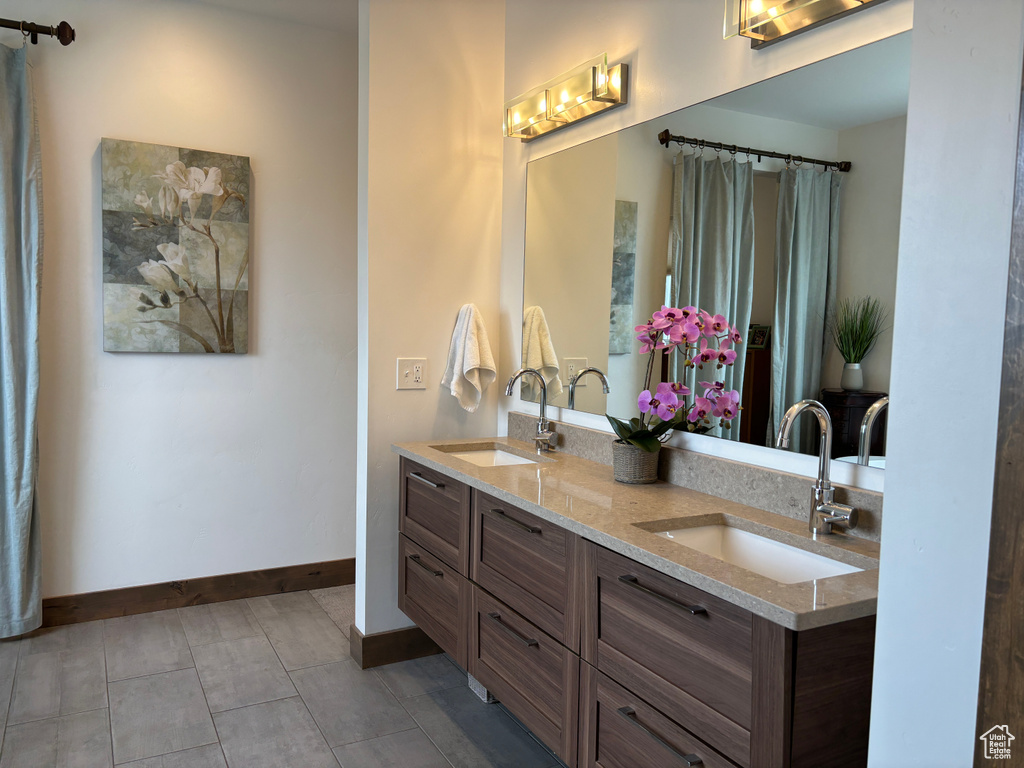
(412, 373)
(574, 365)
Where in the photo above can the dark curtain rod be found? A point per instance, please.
(63, 31)
(666, 138)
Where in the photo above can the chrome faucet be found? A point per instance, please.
(546, 438)
(575, 379)
(867, 426)
(824, 512)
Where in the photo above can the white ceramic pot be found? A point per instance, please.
(853, 378)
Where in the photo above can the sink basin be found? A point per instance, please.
(491, 457)
(778, 561)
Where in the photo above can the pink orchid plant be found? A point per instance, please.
(702, 339)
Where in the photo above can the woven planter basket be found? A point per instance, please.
(634, 465)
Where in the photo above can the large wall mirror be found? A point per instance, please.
(618, 226)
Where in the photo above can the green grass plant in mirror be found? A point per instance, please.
(855, 325)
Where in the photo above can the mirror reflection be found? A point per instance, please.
(619, 226)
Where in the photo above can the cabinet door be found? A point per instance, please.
(534, 676)
(620, 730)
(435, 597)
(685, 651)
(529, 564)
(434, 512)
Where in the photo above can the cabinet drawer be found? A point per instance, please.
(527, 563)
(536, 678)
(434, 511)
(620, 730)
(686, 652)
(434, 596)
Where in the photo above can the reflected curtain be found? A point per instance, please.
(21, 244)
(711, 255)
(806, 260)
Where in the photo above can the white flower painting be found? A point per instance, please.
(175, 249)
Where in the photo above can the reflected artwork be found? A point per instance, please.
(175, 249)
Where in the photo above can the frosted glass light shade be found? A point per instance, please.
(587, 90)
(769, 20)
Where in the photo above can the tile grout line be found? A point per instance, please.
(424, 730)
(298, 693)
(10, 700)
(201, 688)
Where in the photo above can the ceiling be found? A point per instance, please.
(861, 86)
(338, 15)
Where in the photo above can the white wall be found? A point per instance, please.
(159, 467)
(965, 87)
(569, 243)
(677, 58)
(869, 229)
(429, 217)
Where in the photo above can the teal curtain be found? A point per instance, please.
(21, 237)
(806, 259)
(711, 255)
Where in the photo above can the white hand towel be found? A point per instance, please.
(470, 364)
(539, 353)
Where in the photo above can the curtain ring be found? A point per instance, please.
(788, 159)
(798, 161)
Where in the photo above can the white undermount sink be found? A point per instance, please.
(491, 457)
(778, 561)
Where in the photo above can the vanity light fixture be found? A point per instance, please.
(767, 21)
(587, 90)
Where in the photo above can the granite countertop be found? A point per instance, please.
(582, 497)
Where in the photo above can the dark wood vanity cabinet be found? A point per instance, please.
(436, 597)
(620, 730)
(613, 664)
(533, 675)
(686, 652)
(434, 511)
(528, 563)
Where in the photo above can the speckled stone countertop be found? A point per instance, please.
(582, 497)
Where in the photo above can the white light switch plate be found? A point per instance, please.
(574, 365)
(412, 373)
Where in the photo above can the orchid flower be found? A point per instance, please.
(684, 332)
(704, 354)
(680, 389)
(716, 387)
(701, 408)
(734, 335)
(727, 405)
(648, 337)
(158, 275)
(666, 317)
(663, 403)
(726, 356)
(716, 326)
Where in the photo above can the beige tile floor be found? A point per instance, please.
(265, 682)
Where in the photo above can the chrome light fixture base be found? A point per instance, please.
(590, 89)
(768, 21)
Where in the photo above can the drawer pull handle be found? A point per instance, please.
(503, 516)
(424, 480)
(630, 714)
(631, 581)
(424, 566)
(527, 641)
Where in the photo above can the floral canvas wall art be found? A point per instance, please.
(175, 249)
